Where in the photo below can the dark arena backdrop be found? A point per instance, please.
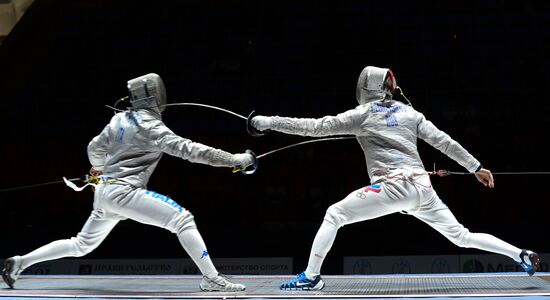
(477, 69)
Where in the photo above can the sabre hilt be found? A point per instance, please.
(254, 165)
(253, 131)
(89, 179)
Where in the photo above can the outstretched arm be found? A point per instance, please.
(444, 143)
(172, 144)
(348, 122)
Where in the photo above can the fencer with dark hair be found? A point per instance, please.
(124, 155)
(387, 131)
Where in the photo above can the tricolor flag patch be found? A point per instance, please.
(373, 188)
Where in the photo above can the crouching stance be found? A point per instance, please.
(387, 131)
(124, 155)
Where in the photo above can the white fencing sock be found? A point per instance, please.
(321, 246)
(194, 245)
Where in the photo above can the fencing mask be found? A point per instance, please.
(147, 92)
(375, 84)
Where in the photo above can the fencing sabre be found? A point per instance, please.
(256, 157)
(249, 128)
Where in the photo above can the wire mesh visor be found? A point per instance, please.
(147, 92)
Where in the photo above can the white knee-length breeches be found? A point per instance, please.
(113, 203)
(415, 196)
(412, 195)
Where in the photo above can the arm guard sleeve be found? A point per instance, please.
(348, 122)
(172, 144)
(444, 143)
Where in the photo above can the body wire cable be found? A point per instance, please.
(305, 142)
(37, 185)
(443, 173)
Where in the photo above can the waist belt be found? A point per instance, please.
(107, 180)
(94, 181)
(389, 173)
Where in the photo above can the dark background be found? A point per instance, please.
(477, 69)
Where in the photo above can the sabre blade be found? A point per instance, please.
(305, 142)
(207, 106)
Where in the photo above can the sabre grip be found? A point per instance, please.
(250, 129)
(443, 173)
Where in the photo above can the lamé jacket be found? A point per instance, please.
(131, 145)
(387, 131)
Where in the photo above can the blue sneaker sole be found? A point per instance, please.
(319, 286)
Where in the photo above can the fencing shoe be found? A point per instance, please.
(220, 284)
(12, 269)
(301, 282)
(529, 261)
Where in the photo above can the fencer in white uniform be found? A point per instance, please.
(387, 131)
(124, 155)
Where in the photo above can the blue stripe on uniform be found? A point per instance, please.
(165, 199)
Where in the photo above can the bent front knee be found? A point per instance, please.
(335, 216)
(184, 222)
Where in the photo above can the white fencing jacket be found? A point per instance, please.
(387, 132)
(131, 145)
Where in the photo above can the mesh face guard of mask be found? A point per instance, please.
(147, 92)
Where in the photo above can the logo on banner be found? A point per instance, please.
(362, 267)
(85, 269)
(40, 269)
(401, 266)
(441, 266)
(472, 266)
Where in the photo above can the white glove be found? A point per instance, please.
(261, 123)
(243, 160)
